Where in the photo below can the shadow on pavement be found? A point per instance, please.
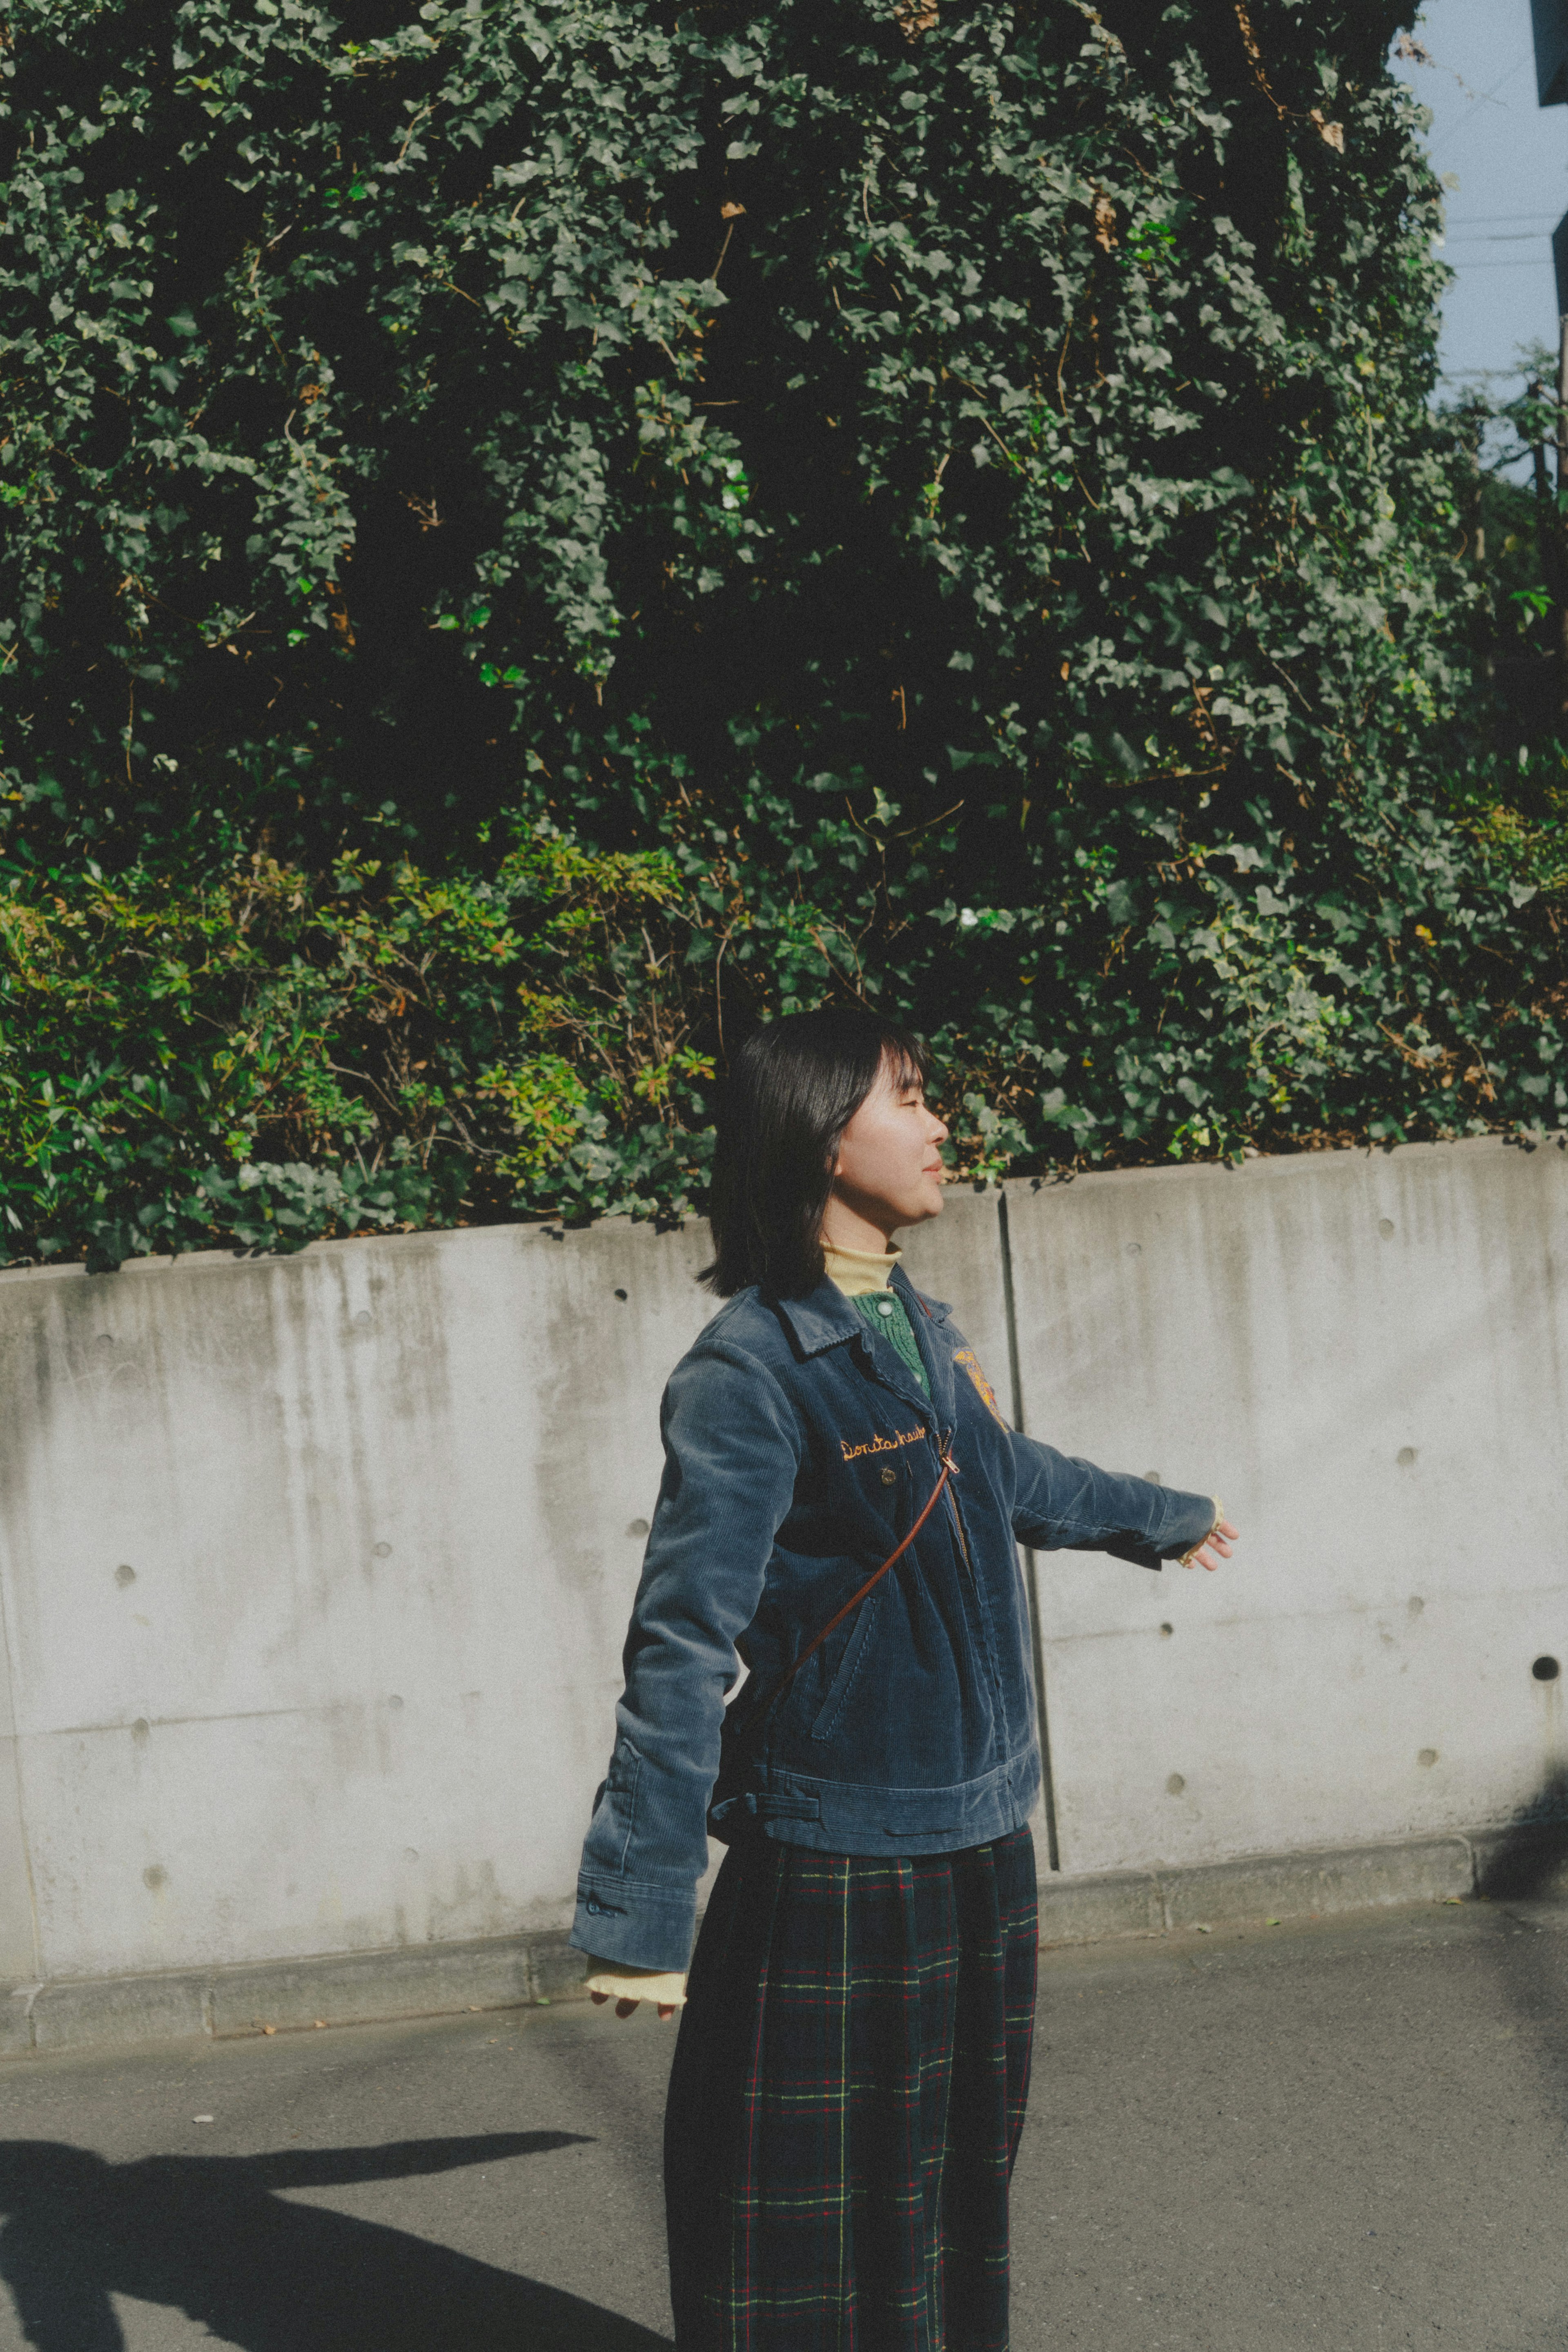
(1530, 1859)
(1527, 1865)
(208, 2236)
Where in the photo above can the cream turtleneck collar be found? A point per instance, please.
(858, 1272)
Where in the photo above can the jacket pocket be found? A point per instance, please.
(850, 1665)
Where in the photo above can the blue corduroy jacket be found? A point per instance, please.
(799, 1450)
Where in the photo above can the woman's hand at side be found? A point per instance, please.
(613, 1981)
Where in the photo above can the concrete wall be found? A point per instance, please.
(1365, 1355)
(314, 1572)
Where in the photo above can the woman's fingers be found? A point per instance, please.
(666, 2011)
(1215, 1547)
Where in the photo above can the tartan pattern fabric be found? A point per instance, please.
(846, 2101)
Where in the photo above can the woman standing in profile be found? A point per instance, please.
(840, 1511)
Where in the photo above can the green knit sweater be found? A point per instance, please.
(886, 1314)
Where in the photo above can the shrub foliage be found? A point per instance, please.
(537, 535)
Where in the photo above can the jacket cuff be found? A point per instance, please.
(1191, 1517)
(641, 1922)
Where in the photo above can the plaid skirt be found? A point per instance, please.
(846, 2101)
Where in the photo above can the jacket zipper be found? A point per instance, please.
(959, 1531)
(945, 1454)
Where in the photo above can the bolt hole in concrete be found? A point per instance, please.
(1168, 1629)
(1428, 1756)
(1406, 1457)
(637, 1527)
(1385, 1228)
(383, 1551)
(365, 1316)
(1175, 1785)
(124, 1574)
(1546, 1670)
(620, 1294)
(154, 1876)
(1152, 1476)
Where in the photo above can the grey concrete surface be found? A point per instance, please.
(314, 1572)
(1366, 1353)
(1341, 2137)
(314, 1578)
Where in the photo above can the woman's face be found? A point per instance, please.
(889, 1170)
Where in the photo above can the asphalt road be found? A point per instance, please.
(1344, 2136)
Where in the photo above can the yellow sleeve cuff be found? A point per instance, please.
(665, 1987)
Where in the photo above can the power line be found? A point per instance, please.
(1463, 122)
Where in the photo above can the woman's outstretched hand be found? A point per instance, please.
(1215, 1546)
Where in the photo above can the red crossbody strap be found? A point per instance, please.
(948, 1468)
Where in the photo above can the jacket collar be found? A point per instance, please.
(935, 1310)
(825, 1318)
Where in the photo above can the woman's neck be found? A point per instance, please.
(845, 1227)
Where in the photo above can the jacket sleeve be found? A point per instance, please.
(1061, 1504)
(732, 1449)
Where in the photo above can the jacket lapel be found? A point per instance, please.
(928, 1317)
(826, 1319)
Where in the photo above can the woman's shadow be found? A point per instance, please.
(208, 2236)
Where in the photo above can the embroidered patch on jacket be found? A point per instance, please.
(881, 1445)
(971, 1363)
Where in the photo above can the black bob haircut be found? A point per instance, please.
(792, 1089)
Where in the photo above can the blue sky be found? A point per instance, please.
(1509, 157)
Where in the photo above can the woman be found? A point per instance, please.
(839, 1513)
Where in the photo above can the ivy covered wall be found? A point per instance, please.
(535, 536)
